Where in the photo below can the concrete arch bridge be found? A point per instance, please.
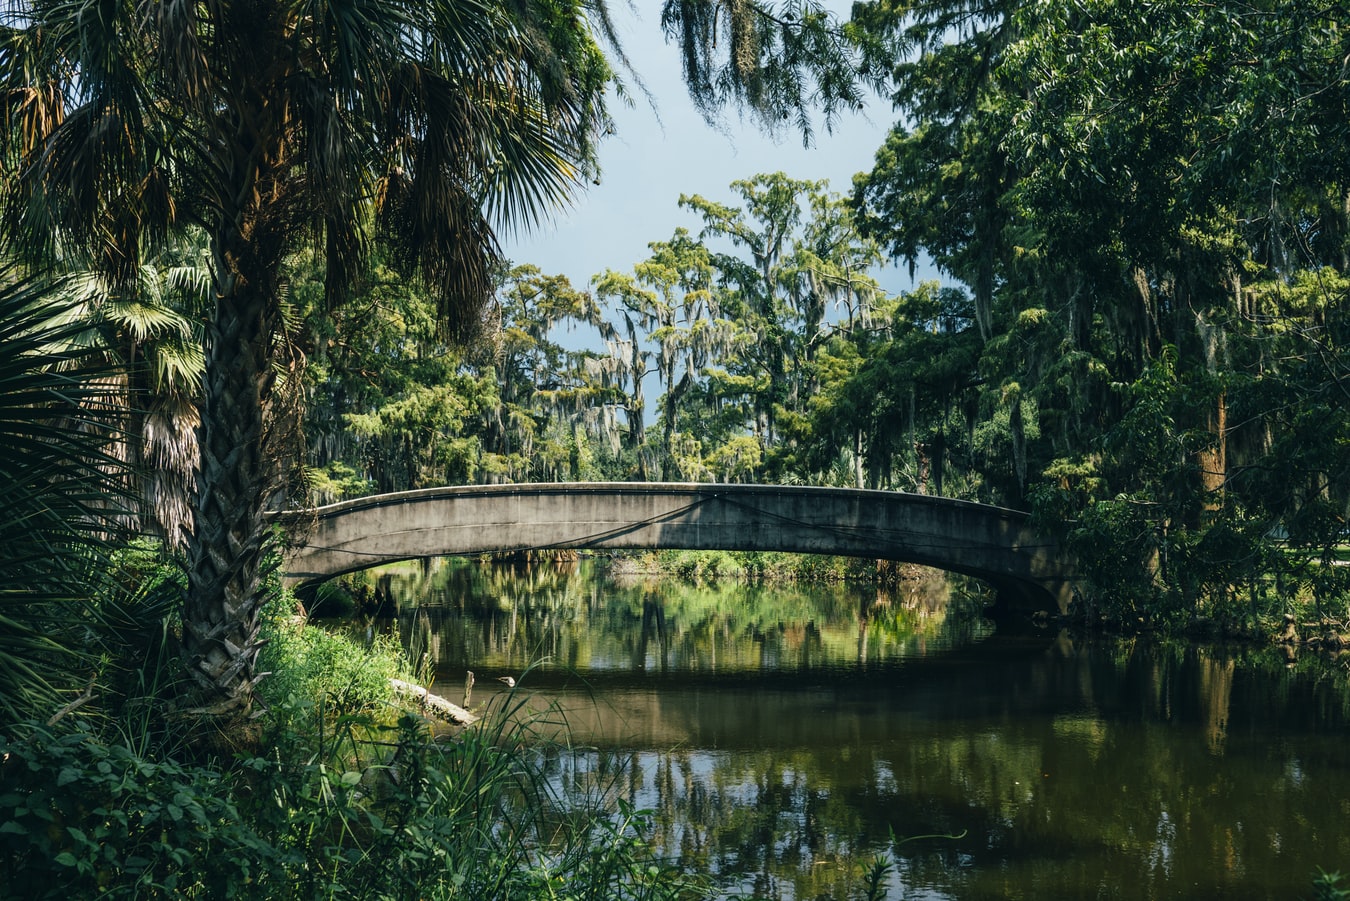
(994, 544)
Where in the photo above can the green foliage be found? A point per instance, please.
(312, 667)
(140, 676)
(733, 340)
(874, 878)
(352, 800)
(412, 819)
(398, 407)
(88, 819)
(336, 482)
(1327, 887)
(900, 404)
(61, 493)
(1155, 258)
(770, 566)
(701, 565)
(150, 329)
(778, 61)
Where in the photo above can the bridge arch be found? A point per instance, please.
(994, 544)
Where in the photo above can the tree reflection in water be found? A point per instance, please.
(783, 737)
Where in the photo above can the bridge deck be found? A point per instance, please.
(991, 543)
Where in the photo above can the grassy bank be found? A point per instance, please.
(342, 793)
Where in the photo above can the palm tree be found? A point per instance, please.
(147, 332)
(272, 125)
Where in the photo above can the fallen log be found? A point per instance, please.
(434, 704)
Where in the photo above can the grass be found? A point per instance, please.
(350, 796)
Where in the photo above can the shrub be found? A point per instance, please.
(306, 663)
(406, 818)
(83, 819)
(352, 800)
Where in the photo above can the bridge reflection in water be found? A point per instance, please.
(997, 545)
(782, 736)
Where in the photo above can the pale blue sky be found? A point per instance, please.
(655, 155)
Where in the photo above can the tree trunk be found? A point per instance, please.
(221, 611)
(1213, 460)
(858, 477)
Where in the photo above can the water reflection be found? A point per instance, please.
(783, 738)
(506, 617)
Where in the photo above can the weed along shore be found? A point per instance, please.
(345, 791)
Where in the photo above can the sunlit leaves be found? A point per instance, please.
(780, 62)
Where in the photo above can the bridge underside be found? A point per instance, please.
(990, 543)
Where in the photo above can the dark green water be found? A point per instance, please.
(784, 738)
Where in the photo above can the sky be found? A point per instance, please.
(657, 154)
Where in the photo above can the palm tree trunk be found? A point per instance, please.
(221, 611)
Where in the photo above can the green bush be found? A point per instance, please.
(353, 799)
(411, 818)
(84, 819)
(310, 665)
(1328, 888)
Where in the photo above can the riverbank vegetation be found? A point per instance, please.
(341, 794)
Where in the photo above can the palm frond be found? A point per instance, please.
(178, 367)
(59, 492)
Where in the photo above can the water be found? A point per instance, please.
(783, 739)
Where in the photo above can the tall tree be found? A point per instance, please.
(148, 329)
(565, 400)
(271, 125)
(1142, 196)
(795, 253)
(671, 295)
